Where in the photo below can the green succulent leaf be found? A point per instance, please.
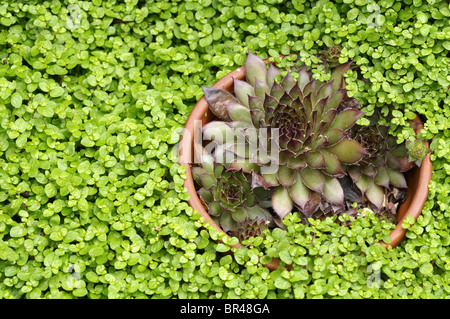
(299, 192)
(325, 91)
(375, 194)
(272, 74)
(238, 112)
(255, 68)
(205, 195)
(315, 160)
(332, 163)
(282, 203)
(261, 89)
(335, 100)
(244, 165)
(205, 179)
(288, 82)
(346, 119)
(296, 163)
(286, 176)
(334, 135)
(227, 223)
(337, 75)
(382, 177)
(347, 151)
(332, 191)
(363, 183)
(217, 99)
(303, 78)
(215, 209)
(313, 179)
(243, 90)
(264, 180)
(396, 178)
(239, 214)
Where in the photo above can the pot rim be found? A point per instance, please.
(411, 207)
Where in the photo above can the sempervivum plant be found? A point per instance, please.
(253, 228)
(383, 166)
(293, 124)
(229, 195)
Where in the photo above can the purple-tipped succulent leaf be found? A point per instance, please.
(313, 179)
(315, 160)
(334, 135)
(299, 192)
(335, 99)
(288, 82)
(272, 74)
(348, 151)
(285, 176)
(333, 165)
(277, 91)
(217, 98)
(346, 119)
(282, 202)
(238, 112)
(255, 103)
(255, 68)
(227, 223)
(261, 88)
(337, 74)
(303, 77)
(239, 214)
(203, 177)
(264, 180)
(363, 183)
(325, 90)
(396, 178)
(332, 191)
(245, 166)
(243, 90)
(296, 163)
(382, 177)
(375, 194)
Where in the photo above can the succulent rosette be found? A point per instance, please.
(253, 228)
(383, 166)
(229, 195)
(294, 124)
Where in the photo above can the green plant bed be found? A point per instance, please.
(94, 97)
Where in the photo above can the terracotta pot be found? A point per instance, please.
(417, 178)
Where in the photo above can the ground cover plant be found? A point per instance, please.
(94, 96)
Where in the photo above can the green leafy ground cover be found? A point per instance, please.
(93, 98)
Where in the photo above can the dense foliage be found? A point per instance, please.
(94, 95)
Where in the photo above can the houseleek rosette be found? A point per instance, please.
(293, 124)
(252, 228)
(231, 200)
(383, 167)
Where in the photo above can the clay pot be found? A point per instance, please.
(417, 178)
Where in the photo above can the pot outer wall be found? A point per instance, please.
(417, 178)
